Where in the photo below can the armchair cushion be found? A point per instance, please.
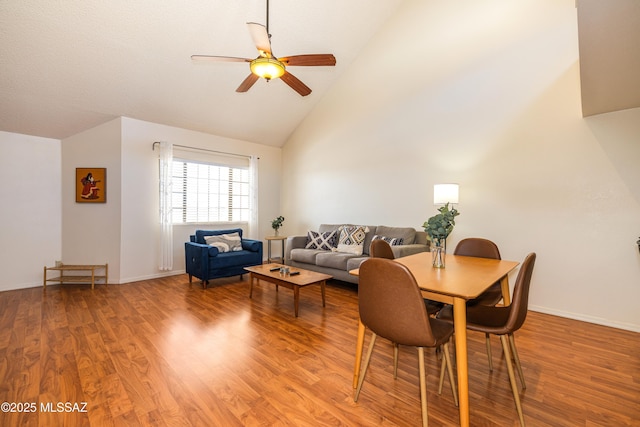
(251, 245)
(225, 242)
(200, 234)
(213, 251)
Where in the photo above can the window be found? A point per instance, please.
(205, 192)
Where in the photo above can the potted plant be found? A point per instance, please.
(438, 228)
(277, 223)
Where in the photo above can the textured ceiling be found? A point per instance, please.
(69, 65)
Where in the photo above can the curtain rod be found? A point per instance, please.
(153, 147)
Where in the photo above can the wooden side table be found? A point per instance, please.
(270, 239)
(76, 278)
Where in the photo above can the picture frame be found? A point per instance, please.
(91, 185)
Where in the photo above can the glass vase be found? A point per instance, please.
(438, 252)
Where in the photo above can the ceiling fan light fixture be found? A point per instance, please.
(267, 68)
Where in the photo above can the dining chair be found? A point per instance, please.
(382, 249)
(392, 307)
(482, 248)
(504, 321)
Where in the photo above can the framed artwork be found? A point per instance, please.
(91, 185)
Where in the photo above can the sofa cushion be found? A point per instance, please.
(225, 242)
(354, 263)
(307, 256)
(352, 238)
(323, 241)
(393, 241)
(407, 234)
(337, 260)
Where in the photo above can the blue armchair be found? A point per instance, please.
(207, 261)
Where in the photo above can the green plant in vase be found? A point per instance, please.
(438, 228)
(277, 223)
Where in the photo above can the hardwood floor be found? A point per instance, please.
(166, 353)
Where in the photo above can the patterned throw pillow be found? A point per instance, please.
(352, 239)
(323, 241)
(225, 242)
(393, 241)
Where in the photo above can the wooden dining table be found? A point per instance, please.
(462, 279)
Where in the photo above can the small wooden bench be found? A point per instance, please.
(66, 278)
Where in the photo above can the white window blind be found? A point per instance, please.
(210, 190)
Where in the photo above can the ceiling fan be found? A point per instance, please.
(267, 66)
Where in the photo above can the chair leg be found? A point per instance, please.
(512, 377)
(488, 342)
(452, 379)
(446, 363)
(516, 358)
(395, 361)
(423, 387)
(443, 367)
(364, 368)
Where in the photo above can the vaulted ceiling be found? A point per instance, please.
(67, 66)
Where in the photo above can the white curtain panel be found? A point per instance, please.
(254, 233)
(166, 226)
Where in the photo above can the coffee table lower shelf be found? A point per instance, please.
(295, 282)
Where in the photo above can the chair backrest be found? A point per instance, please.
(391, 305)
(381, 249)
(520, 301)
(477, 247)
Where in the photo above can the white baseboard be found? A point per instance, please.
(38, 284)
(584, 318)
(151, 276)
(21, 286)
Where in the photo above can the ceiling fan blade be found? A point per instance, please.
(309, 60)
(247, 83)
(214, 58)
(295, 83)
(260, 38)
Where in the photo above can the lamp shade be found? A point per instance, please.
(445, 193)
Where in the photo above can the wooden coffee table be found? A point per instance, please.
(295, 282)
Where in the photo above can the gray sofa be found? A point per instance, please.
(338, 264)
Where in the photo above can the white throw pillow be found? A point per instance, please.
(225, 242)
(351, 239)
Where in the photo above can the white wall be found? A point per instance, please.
(140, 238)
(91, 231)
(30, 217)
(485, 94)
(42, 223)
